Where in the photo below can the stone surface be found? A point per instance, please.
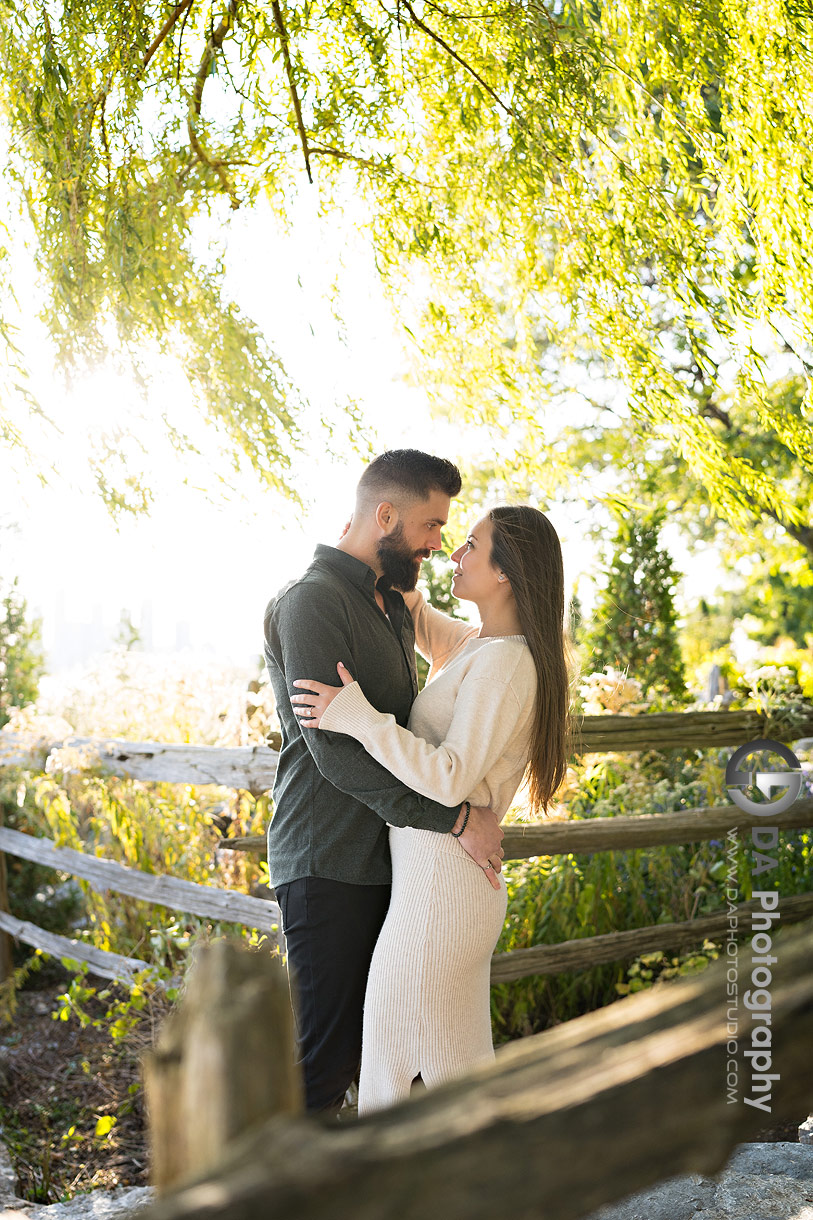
(96, 1205)
(760, 1182)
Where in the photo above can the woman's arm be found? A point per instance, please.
(492, 703)
(436, 633)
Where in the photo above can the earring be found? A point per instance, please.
(501, 577)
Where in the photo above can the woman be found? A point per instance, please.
(495, 707)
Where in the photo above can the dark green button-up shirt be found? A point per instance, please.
(332, 800)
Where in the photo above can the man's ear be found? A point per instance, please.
(386, 517)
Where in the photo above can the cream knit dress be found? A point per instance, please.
(427, 1005)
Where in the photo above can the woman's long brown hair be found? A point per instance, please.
(525, 546)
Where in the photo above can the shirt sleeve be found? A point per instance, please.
(488, 712)
(306, 641)
(436, 633)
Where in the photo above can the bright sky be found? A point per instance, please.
(203, 557)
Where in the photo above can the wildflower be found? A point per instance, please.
(611, 691)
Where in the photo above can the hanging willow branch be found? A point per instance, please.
(467, 67)
(441, 42)
(289, 70)
(165, 30)
(214, 44)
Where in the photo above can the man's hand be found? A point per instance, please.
(482, 839)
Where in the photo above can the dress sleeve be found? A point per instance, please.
(436, 633)
(488, 711)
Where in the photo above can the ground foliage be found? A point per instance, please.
(72, 1104)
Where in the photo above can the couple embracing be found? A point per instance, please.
(385, 845)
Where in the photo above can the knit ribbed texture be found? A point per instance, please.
(427, 1008)
(468, 728)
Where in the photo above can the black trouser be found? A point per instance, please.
(330, 929)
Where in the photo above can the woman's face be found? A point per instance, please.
(475, 577)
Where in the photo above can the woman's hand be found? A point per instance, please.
(315, 703)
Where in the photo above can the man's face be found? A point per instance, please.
(413, 539)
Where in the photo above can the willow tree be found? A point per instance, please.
(770, 560)
(625, 183)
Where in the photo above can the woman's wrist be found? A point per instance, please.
(460, 824)
(342, 712)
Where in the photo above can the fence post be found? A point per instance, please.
(224, 1061)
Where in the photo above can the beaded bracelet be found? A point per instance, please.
(458, 833)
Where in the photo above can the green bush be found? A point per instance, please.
(568, 897)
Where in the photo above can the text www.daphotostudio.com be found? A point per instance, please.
(764, 839)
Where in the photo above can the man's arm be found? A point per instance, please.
(492, 705)
(306, 636)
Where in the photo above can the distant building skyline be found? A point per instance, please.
(71, 640)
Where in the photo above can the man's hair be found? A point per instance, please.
(403, 475)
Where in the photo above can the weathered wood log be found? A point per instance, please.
(101, 961)
(560, 835)
(224, 1061)
(250, 767)
(589, 951)
(207, 900)
(643, 830)
(560, 1124)
(672, 730)
(254, 767)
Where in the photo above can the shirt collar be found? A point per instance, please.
(352, 569)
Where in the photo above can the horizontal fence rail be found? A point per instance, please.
(670, 730)
(254, 767)
(584, 953)
(228, 906)
(250, 767)
(560, 835)
(101, 961)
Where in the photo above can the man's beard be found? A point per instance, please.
(400, 566)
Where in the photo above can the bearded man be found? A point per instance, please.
(328, 850)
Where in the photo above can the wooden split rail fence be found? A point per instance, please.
(253, 769)
(559, 1124)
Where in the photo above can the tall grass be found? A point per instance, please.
(154, 827)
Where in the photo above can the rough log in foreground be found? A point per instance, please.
(562, 1123)
(213, 1072)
